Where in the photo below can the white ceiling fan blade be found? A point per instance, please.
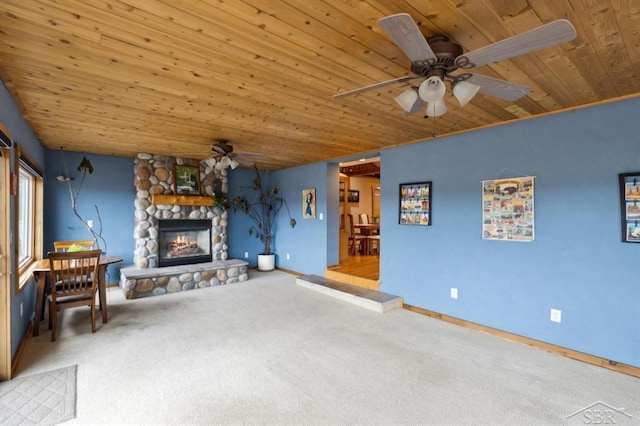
(374, 86)
(406, 34)
(254, 155)
(547, 35)
(244, 161)
(499, 88)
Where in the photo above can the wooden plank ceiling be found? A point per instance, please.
(169, 77)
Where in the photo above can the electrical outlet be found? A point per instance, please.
(21, 309)
(246, 254)
(321, 216)
(288, 256)
(556, 315)
(90, 223)
(454, 293)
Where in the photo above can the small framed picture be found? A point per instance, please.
(415, 203)
(309, 203)
(187, 179)
(630, 206)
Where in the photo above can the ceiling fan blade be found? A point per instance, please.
(374, 86)
(240, 159)
(254, 155)
(547, 35)
(499, 88)
(406, 34)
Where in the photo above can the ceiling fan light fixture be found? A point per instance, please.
(432, 89)
(225, 162)
(222, 163)
(464, 91)
(210, 162)
(409, 101)
(436, 108)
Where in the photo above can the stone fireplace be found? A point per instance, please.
(153, 177)
(180, 240)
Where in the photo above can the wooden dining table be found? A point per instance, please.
(40, 272)
(367, 229)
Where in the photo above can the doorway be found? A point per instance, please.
(359, 201)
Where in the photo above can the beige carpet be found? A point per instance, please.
(267, 351)
(46, 398)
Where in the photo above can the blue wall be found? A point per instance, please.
(577, 262)
(307, 242)
(22, 134)
(110, 187)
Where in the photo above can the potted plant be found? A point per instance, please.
(220, 200)
(262, 206)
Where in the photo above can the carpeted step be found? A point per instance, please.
(363, 297)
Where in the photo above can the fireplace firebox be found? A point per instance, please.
(184, 241)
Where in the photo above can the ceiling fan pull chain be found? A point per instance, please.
(434, 126)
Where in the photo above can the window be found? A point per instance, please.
(28, 215)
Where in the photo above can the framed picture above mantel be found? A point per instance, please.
(186, 180)
(630, 206)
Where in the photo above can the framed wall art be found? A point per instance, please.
(353, 196)
(187, 179)
(630, 206)
(507, 209)
(415, 203)
(309, 203)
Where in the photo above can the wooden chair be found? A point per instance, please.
(74, 282)
(66, 245)
(355, 240)
(376, 239)
(364, 218)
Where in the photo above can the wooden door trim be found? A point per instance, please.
(5, 268)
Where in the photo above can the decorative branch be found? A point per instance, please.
(84, 167)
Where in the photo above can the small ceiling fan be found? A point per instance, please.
(224, 156)
(437, 58)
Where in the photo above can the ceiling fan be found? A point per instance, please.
(223, 156)
(437, 58)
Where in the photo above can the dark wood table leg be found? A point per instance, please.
(41, 278)
(102, 291)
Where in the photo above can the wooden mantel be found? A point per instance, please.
(182, 200)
